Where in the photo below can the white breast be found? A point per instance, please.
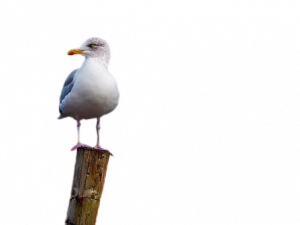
(94, 93)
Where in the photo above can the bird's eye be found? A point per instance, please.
(91, 45)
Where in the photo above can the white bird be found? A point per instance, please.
(90, 91)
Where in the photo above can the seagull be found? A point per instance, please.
(90, 91)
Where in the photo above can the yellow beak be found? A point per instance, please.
(75, 51)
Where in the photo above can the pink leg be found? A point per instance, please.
(79, 145)
(98, 147)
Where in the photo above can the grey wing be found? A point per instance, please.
(67, 88)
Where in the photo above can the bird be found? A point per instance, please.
(90, 91)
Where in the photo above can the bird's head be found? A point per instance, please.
(93, 47)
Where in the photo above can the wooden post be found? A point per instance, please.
(88, 182)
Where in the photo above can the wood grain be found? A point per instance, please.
(87, 188)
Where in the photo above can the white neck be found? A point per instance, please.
(98, 60)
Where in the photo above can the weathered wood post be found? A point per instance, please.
(87, 188)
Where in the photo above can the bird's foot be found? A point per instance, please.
(79, 145)
(99, 147)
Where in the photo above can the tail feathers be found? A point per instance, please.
(61, 116)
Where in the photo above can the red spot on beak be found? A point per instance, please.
(71, 53)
